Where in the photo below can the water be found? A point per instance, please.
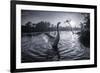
(39, 48)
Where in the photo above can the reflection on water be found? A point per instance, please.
(38, 48)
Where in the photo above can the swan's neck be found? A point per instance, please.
(56, 38)
(57, 29)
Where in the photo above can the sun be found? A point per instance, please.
(73, 24)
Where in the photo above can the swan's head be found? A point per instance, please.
(58, 23)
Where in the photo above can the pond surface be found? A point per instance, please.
(38, 48)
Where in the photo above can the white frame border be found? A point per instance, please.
(20, 65)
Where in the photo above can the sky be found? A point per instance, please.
(51, 16)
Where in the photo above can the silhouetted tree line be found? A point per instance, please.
(42, 26)
(39, 27)
(85, 31)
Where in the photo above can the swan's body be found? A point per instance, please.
(55, 41)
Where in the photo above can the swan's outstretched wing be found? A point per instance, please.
(35, 49)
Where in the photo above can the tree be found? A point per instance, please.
(42, 26)
(85, 31)
(28, 26)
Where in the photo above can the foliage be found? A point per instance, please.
(85, 31)
(32, 27)
(42, 26)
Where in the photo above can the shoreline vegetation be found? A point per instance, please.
(44, 26)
